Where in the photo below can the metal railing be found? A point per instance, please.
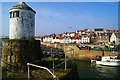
(29, 64)
(54, 76)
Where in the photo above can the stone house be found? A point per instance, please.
(103, 38)
(93, 38)
(98, 30)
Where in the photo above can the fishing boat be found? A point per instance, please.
(107, 61)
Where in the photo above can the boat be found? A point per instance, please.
(107, 61)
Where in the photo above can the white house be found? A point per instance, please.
(76, 40)
(46, 39)
(115, 37)
(79, 31)
(72, 34)
(66, 40)
(56, 40)
(85, 38)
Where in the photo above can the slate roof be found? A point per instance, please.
(22, 5)
(98, 29)
(117, 35)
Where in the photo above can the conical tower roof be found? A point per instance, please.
(22, 5)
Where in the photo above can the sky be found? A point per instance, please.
(59, 17)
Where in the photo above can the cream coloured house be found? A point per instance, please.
(115, 37)
(85, 38)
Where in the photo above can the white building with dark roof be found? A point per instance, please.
(22, 22)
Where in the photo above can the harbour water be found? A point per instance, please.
(88, 71)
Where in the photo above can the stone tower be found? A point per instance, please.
(21, 48)
(22, 22)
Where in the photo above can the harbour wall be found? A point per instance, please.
(18, 52)
(86, 55)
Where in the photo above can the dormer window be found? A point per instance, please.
(14, 14)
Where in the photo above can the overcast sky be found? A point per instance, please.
(57, 17)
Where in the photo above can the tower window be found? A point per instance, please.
(17, 13)
(14, 14)
(10, 14)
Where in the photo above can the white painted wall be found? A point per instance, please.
(55, 40)
(113, 38)
(23, 26)
(85, 39)
(72, 35)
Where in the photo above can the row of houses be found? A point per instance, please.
(99, 35)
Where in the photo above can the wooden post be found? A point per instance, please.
(73, 55)
(65, 60)
(53, 61)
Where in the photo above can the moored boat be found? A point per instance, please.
(107, 61)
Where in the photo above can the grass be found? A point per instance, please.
(35, 73)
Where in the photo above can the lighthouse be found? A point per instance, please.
(21, 47)
(21, 22)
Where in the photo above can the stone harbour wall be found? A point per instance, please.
(18, 52)
(86, 55)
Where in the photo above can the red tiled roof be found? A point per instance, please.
(76, 38)
(72, 32)
(59, 37)
(111, 30)
(83, 31)
(79, 30)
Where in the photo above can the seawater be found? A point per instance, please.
(86, 70)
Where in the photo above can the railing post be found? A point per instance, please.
(73, 55)
(53, 62)
(65, 62)
(28, 71)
